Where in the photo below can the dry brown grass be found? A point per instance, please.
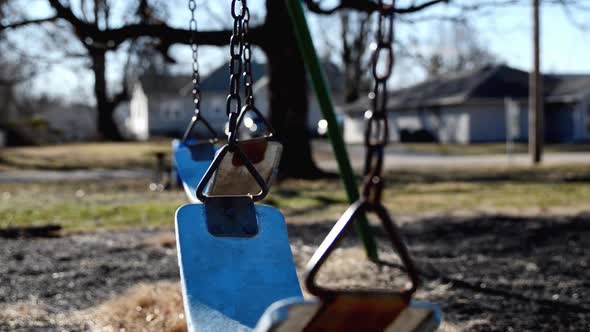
(145, 307)
(84, 155)
(33, 313)
(158, 307)
(450, 327)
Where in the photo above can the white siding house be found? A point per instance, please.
(470, 107)
(170, 103)
(132, 117)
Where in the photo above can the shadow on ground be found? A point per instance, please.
(488, 273)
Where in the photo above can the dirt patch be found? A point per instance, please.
(488, 273)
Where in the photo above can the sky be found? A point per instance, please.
(564, 47)
(506, 32)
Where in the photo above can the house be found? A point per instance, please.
(471, 107)
(47, 121)
(335, 80)
(67, 122)
(171, 108)
(132, 117)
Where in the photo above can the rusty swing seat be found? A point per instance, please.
(352, 310)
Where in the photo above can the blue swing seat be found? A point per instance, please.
(235, 261)
(190, 160)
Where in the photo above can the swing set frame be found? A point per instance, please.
(320, 86)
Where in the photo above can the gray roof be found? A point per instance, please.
(218, 79)
(215, 81)
(566, 88)
(491, 83)
(334, 77)
(165, 84)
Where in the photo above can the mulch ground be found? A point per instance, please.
(488, 273)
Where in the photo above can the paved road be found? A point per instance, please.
(396, 158)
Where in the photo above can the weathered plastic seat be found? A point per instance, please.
(235, 261)
(191, 159)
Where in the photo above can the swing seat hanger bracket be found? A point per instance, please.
(339, 310)
(198, 117)
(243, 160)
(335, 236)
(262, 151)
(234, 218)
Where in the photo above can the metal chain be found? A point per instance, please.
(377, 130)
(236, 50)
(241, 55)
(248, 79)
(196, 79)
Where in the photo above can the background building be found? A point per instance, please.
(471, 107)
(170, 105)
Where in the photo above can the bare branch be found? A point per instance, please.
(570, 15)
(112, 38)
(416, 8)
(23, 23)
(66, 13)
(367, 6)
(170, 35)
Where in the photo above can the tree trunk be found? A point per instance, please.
(288, 94)
(107, 128)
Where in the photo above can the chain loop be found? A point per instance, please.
(196, 81)
(237, 15)
(377, 130)
(196, 77)
(247, 56)
(240, 61)
(236, 50)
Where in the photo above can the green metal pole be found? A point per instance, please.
(318, 79)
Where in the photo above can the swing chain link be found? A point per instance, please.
(236, 47)
(248, 80)
(376, 138)
(196, 77)
(377, 129)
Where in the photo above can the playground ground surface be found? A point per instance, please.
(488, 273)
(500, 249)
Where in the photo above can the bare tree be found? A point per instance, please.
(457, 49)
(355, 28)
(90, 23)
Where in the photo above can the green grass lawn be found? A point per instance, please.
(86, 205)
(129, 203)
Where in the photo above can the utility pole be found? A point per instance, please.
(536, 100)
